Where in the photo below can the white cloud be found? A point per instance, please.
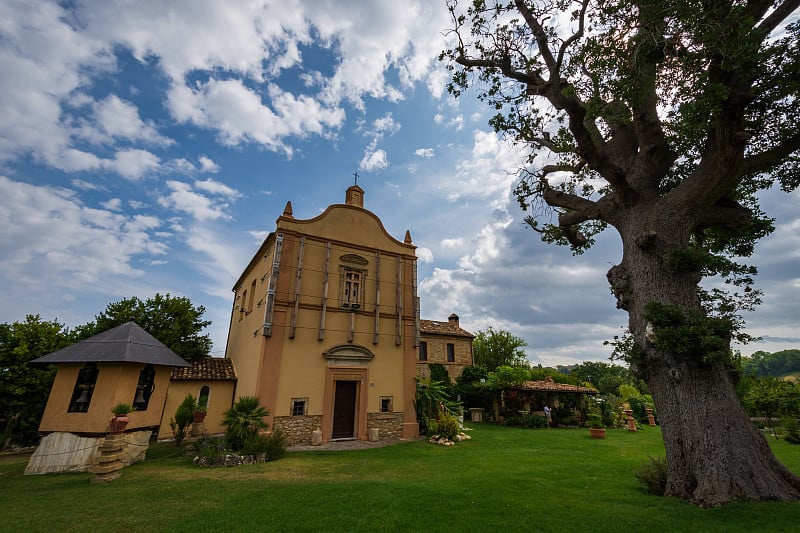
(426, 153)
(373, 160)
(215, 187)
(458, 242)
(200, 207)
(116, 119)
(114, 204)
(208, 165)
(48, 234)
(424, 255)
(132, 163)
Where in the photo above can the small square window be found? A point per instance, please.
(299, 406)
(423, 351)
(386, 404)
(451, 352)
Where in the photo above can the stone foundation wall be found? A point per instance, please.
(390, 425)
(297, 429)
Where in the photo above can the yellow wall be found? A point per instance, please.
(220, 400)
(116, 383)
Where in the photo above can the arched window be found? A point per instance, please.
(84, 387)
(144, 388)
(202, 398)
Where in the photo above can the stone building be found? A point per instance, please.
(444, 343)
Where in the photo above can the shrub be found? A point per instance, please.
(242, 420)
(275, 445)
(653, 475)
(447, 425)
(791, 431)
(208, 450)
(527, 422)
(183, 418)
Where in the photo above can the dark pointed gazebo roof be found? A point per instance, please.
(127, 343)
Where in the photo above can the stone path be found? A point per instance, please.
(347, 445)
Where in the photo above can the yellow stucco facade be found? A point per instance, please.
(325, 328)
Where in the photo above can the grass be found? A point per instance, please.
(502, 480)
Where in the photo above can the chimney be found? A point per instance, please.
(355, 196)
(453, 319)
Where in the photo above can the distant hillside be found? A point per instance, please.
(778, 364)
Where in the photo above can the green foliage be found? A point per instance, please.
(472, 388)
(24, 388)
(173, 320)
(208, 449)
(506, 377)
(122, 409)
(445, 425)
(769, 398)
(431, 398)
(653, 475)
(439, 373)
(606, 377)
(184, 416)
(563, 415)
(690, 334)
(492, 349)
(527, 421)
(244, 419)
(772, 364)
(791, 430)
(272, 446)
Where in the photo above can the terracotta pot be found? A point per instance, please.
(199, 416)
(597, 433)
(118, 423)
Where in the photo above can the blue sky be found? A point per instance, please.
(149, 147)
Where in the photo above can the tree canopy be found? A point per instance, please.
(24, 388)
(661, 119)
(491, 349)
(173, 320)
(772, 364)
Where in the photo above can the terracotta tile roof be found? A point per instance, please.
(549, 385)
(435, 327)
(208, 369)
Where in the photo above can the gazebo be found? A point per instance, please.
(124, 364)
(532, 396)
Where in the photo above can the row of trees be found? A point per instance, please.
(24, 388)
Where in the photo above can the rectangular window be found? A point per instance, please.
(451, 352)
(386, 404)
(423, 351)
(352, 287)
(299, 406)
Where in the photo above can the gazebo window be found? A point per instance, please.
(144, 389)
(84, 387)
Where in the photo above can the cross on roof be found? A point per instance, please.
(355, 174)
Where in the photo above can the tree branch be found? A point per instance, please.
(767, 159)
(774, 19)
(541, 38)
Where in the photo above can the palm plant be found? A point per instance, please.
(244, 419)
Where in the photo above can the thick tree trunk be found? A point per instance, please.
(715, 455)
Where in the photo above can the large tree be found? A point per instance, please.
(173, 320)
(491, 349)
(661, 119)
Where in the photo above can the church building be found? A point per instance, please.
(325, 326)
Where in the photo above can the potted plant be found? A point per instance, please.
(597, 429)
(200, 412)
(120, 420)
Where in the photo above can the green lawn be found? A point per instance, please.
(501, 480)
